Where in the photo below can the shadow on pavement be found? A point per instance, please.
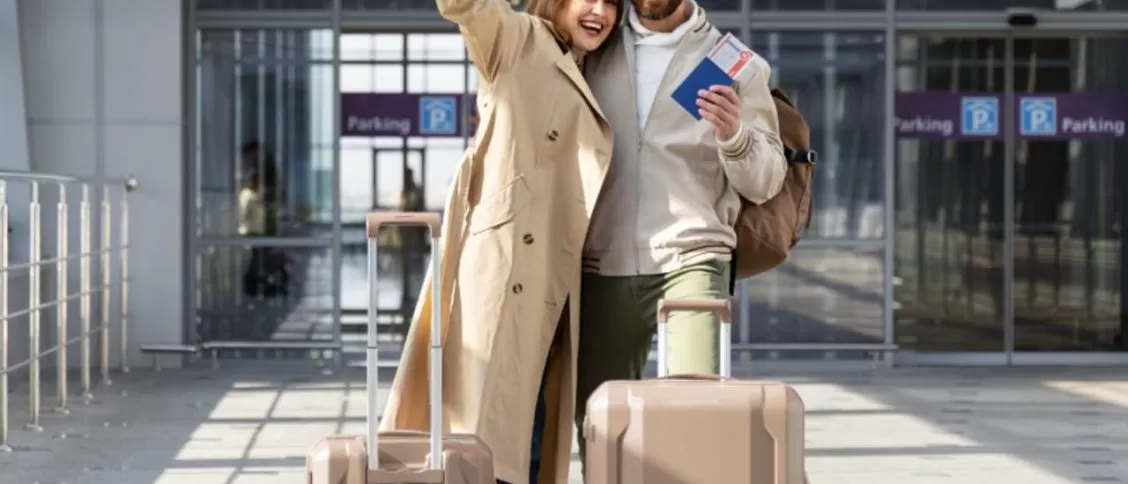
(253, 422)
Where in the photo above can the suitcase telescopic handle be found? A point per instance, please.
(433, 222)
(724, 334)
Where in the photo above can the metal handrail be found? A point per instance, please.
(86, 257)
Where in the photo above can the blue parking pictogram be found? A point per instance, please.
(438, 116)
(1038, 116)
(980, 116)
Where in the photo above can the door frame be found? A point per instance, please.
(1061, 26)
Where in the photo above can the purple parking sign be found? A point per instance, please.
(406, 114)
(1049, 116)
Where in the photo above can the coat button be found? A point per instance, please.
(527, 239)
(517, 288)
(552, 135)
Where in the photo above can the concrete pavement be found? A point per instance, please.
(251, 422)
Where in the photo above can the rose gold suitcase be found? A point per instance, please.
(405, 456)
(694, 429)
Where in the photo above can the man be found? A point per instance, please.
(663, 227)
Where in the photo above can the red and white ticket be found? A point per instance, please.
(731, 55)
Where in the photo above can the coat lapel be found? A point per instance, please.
(567, 65)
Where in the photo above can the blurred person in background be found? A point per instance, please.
(258, 159)
(267, 273)
(413, 240)
(252, 212)
(514, 226)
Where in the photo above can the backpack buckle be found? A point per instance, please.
(809, 157)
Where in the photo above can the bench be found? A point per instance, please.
(164, 349)
(215, 346)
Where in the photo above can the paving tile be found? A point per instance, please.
(253, 422)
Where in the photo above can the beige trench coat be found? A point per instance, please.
(514, 230)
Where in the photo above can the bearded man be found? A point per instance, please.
(663, 227)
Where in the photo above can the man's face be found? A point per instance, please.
(656, 9)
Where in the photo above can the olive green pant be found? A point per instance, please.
(618, 321)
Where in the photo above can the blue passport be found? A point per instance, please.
(705, 75)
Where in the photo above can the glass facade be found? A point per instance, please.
(996, 5)
(937, 243)
(1022, 230)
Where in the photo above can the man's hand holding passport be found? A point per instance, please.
(707, 92)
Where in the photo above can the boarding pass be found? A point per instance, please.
(731, 55)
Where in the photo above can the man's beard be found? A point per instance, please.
(656, 13)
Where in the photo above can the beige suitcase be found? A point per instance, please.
(401, 457)
(694, 429)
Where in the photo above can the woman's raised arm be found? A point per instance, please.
(494, 32)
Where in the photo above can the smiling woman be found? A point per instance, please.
(524, 195)
(585, 23)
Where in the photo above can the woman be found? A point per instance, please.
(266, 274)
(515, 223)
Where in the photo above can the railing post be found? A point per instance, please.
(4, 447)
(123, 259)
(86, 291)
(104, 340)
(62, 298)
(33, 303)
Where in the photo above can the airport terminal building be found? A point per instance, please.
(966, 210)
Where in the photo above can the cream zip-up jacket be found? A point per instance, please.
(671, 195)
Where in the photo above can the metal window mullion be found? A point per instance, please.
(190, 101)
(258, 19)
(1008, 201)
(816, 21)
(829, 147)
(280, 151)
(336, 256)
(889, 144)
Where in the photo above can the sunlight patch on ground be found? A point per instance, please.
(1108, 392)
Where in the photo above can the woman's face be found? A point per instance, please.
(587, 23)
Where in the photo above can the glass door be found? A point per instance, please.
(1008, 222)
(950, 158)
(1070, 150)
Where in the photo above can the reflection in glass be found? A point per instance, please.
(837, 80)
(395, 173)
(263, 4)
(263, 113)
(263, 293)
(817, 296)
(1001, 5)
(808, 5)
(949, 208)
(1068, 292)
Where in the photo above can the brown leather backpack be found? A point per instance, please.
(765, 233)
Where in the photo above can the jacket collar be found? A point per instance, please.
(643, 35)
(698, 23)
